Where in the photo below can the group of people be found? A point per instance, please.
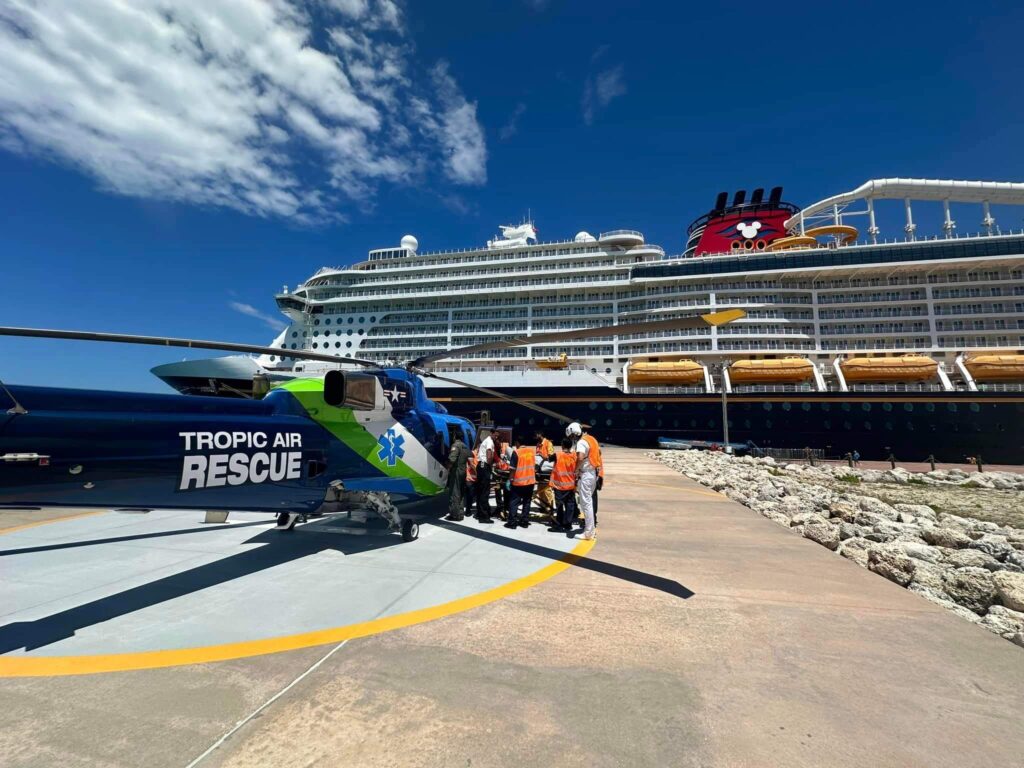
(564, 483)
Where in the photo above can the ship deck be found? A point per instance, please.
(694, 633)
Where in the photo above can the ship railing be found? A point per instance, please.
(1002, 387)
(667, 390)
(614, 232)
(740, 389)
(899, 387)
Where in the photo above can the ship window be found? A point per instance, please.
(951, 407)
(293, 346)
(826, 406)
(607, 422)
(930, 407)
(349, 331)
(351, 320)
(975, 407)
(373, 318)
(316, 322)
(787, 406)
(867, 425)
(888, 426)
(767, 406)
(806, 406)
(316, 333)
(643, 423)
(887, 406)
(360, 331)
(314, 345)
(865, 406)
(625, 405)
(910, 426)
(675, 423)
(827, 424)
(908, 407)
(847, 425)
(609, 405)
(295, 334)
(348, 343)
(845, 407)
(641, 406)
(593, 406)
(337, 345)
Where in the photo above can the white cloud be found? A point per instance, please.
(275, 323)
(455, 127)
(511, 126)
(230, 103)
(599, 90)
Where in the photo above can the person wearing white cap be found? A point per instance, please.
(586, 479)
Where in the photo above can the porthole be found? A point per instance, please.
(846, 406)
(908, 407)
(295, 334)
(373, 318)
(847, 426)
(531, 421)
(608, 405)
(952, 407)
(766, 406)
(827, 424)
(316, 333)
(787, 406)
(607, 370)
(360, 331)
(593, 406)
(659, 423)
(314, 345)
(675, 423)
(516, 421)
(349, 331)
(768, 423)
(930, 407)
(643, 423)
(826, 407)
(867, 426)
(910, 426)
(886, 407)
(348, 343)
(327, 321)
(641, 406)
(805, 405)
(693, 423)
(607, 422)
(975, 408)
(337, 345)
(593, 370)
(865, 406)
(316, 322)
(888, 426)
(746, 423)
(624, 405)
(351, 320)
(362, 319)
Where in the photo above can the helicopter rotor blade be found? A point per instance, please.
(503, 396)
(162, 341)
(671, 324)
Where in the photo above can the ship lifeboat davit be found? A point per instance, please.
(787, 370)
(985, 368)
(554, 363)
(677, 373)
(884, 370)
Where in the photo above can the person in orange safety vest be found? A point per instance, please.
(563, 482)
(545, 448)
(524, 479)
(598, 462)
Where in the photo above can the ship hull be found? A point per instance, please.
(951, 426)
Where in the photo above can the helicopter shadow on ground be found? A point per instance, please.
(279, 549)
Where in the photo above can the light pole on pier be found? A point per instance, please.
(725, 407)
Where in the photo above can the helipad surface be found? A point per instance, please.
(115, 590)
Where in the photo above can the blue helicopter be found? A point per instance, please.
(373, 430)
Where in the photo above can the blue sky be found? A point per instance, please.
(161, 169)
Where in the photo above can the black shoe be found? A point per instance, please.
(510, 525)
(524, 523)
(485, 521)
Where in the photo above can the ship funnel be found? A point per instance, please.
(721, 201)
(739, 197)
(757, 197)
(775, 195)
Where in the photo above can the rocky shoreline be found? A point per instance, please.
(972, 567)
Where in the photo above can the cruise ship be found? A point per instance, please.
(908, 346)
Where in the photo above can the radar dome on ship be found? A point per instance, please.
(584, 237)
(410, 243)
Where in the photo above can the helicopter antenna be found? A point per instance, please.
(18, 409)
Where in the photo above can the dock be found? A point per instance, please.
(694, 633)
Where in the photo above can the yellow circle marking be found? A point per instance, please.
(54, 666)
(79, 516)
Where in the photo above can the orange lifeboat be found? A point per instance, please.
(996, 367)
(787, 370)
(677, 373)
(554, 363)
(883, 370)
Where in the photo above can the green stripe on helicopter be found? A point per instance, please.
(343, 425)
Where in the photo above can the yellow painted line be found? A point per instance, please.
(79, 516)
(54, 666)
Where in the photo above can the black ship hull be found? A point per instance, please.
(952, 426)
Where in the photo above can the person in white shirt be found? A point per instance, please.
(586, 479)
(485, 454)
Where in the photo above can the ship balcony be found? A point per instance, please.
(624, 238)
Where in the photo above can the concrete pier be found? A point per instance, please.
(695, 633)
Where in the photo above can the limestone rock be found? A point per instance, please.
(973, 588)
(841, 508)
(939, 599)
(805, 518)
(892, 564)
(914, 511)
(876, 506)
(946, 537)
(849, 531)
(919, 551)
(855, 549)
(971, 558)
(1004, 621)
(822, 533)
(929, 576)
(1010, 588)
(997, 546)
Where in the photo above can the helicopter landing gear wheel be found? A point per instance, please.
(410, 530)
(286, 521)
